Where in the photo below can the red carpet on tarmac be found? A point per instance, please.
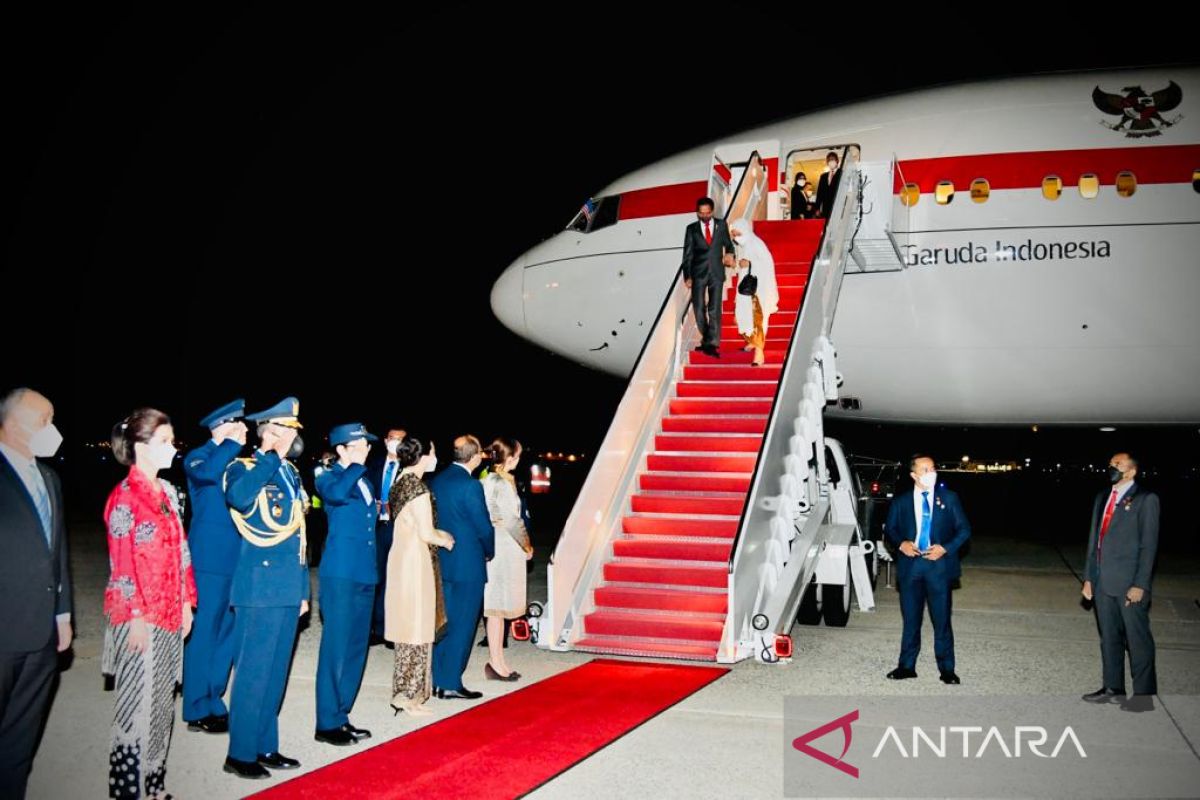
(511, 745)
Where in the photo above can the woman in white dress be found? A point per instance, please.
(753, 312)
(504, 595)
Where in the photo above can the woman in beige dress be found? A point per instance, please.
(413, 609)
(504, 595)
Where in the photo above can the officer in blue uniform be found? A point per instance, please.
(348, 577)
(215, 543)
(270, 589)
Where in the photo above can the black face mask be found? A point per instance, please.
(297, 448)
(1114, 474)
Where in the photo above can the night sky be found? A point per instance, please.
(278, 202)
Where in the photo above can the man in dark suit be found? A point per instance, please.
(1122, 543)
(382, 475)
(827, 186)
(707, 250)
(928, 528)
(463, 513)
(35, 587)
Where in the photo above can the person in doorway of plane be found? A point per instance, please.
(827, 186)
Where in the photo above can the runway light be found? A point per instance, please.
(1107, 429)
(1035, 429)
(966, 459)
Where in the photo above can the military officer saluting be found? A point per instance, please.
(215, 544)
(270, 588)
(348, 577)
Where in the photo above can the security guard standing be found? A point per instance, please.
(215, 543)
(348, 577)
(270, 587)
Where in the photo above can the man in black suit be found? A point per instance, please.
(1122, 543)
(35, 589)
(707, 250)
(828, 185)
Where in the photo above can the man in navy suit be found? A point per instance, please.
(707, 250)
(928, 527)
(348, 575)
(215, 545)
(463, 512)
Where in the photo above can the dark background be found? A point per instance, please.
(273, 202)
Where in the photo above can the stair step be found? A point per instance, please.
(688, 504)
(733, 372)
(662, 599)
(694, 483)
(714, 425)
(732, 353)
(653, 626)
(617, 647)
(726, 389)
(708, 444)
(680, 526)
(729, 333)
(689, 463)
(671, 550)
(667, 575)
(710, 408)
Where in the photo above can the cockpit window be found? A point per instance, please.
(596, 213)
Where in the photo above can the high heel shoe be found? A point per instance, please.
(493, 675)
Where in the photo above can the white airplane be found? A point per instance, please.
(1045, 246)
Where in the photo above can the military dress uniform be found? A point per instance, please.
(267, 503)
(348, 577)
(215, 544)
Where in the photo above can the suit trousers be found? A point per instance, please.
(1121, 624)
(706, 305)
(25, 683)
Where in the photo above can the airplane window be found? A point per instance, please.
(1089, 186)
(944, 193)
(595, 214)
(1196, 179)
(910, 194)
(1126, 184)
(980, 190)
(1051, 187)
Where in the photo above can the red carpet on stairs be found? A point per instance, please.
(513, 744)
(664, 587)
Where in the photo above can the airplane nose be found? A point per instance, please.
(508, 301)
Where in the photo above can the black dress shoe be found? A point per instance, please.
(492, 675)
(1104, 696)
(357, 733)
(701, 348)
(712, 351)
(900, 673)
(246, 769)
(210, 724)
(949, 677)
(458, 694)
(1138, 703)
(338, 736)
(277, 761)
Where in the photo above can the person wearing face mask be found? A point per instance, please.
(707, 251)
(827, 186)
(383, 476)
(214, 542)
(415, 607)
(34, 579)
(753, 312)
(799, 205)
(1122, 544)
(504, 594)
(928, 528)
(348, 576)
(148, 604)
(270, 589)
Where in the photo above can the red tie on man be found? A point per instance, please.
(707, 231)
(1108, 512)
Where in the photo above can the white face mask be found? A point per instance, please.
(162, 454)
(430, 463)
(928, 480)
(45, 443)
(392, 446)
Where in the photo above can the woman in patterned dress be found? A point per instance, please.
(414, 612)
(148, 603)
(504, 595)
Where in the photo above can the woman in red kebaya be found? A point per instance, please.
(148, 603)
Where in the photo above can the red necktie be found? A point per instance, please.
(707, 233)
(1108, 512)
